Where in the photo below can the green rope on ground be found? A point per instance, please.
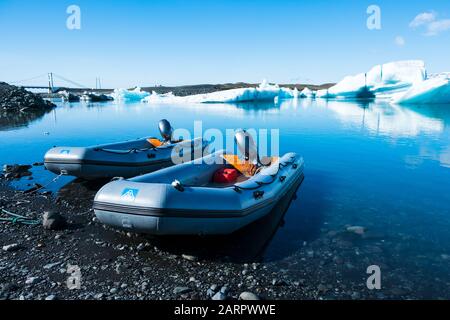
(18, 219)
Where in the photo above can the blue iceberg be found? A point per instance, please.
(124, 95)
(431, 91)
(264, 92)
(382, 81)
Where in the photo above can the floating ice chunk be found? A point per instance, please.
(287, 93)
(381, 81)
(324, 93)
(264, 92)
(349, 87)
(125, 95)
(307, 93)
(160, 98)
(434, 90)
(445, 75)
(408, 71)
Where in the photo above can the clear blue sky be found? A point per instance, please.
(130, 43)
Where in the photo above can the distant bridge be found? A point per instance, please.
(75, 86)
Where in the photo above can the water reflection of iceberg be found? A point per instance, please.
(429, 152)
(386, 119)
(235, 110)
(444, 158)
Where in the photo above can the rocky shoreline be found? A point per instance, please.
(13, 99)
(115, 265)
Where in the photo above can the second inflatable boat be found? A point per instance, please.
(123, 159)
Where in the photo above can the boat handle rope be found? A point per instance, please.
(136, 150)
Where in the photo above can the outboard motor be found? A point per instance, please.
(166, 130)
(247, 146)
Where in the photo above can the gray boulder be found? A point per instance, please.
(248, 296)
(52, 220)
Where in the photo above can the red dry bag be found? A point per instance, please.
(225, 175)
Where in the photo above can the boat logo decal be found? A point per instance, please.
(65, 151)
(129, 194)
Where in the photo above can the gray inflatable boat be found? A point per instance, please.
(123, 159)
(183, 200)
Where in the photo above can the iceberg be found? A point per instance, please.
(287, 93)
(124, 95)
(402, 82)
(434, 91)
(445, 75)
(264, 92)
(161, 98)
(323, 93)
(382, 81)
(307, 93)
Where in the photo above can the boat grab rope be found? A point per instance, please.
(134, 150)
(153, 148)
(47, 184)
(17, 218)
(40, 187)
(259, 184)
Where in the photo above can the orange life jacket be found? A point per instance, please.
(155, 142)
(247, 168)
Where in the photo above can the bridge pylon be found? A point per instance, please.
(50, 82)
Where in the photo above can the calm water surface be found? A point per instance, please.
(383, 167)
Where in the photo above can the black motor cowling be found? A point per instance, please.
(165, 129)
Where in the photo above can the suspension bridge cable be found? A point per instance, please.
(29, 79)
(76, 84)
(70, 81)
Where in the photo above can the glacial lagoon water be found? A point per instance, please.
(380, 166)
